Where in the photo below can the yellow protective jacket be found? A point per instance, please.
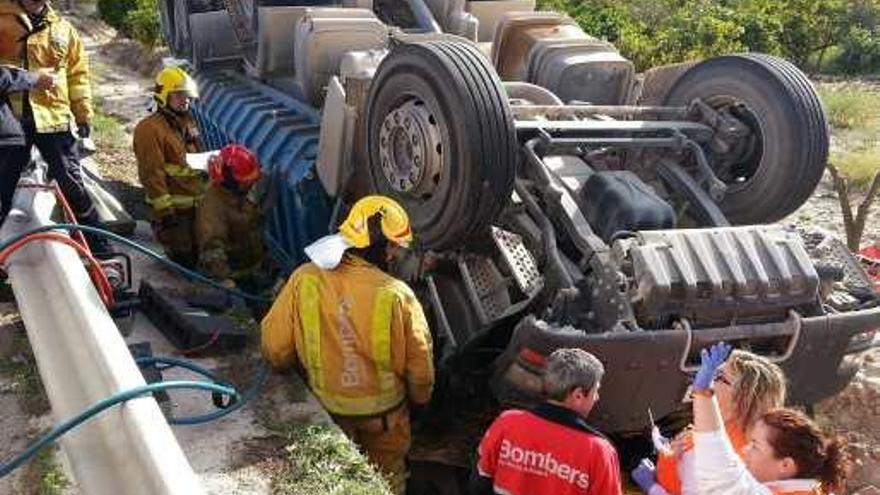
(54, 48)
(229, 229)
(161, 142)
(360, 335)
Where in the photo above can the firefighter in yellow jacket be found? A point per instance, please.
(173, 190)
(34, 37)
(229, 223)
(359, 334)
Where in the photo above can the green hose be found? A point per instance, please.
(217, 386)
(10, 465)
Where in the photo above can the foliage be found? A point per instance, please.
(323, 462)
(142, 23)
(114, 12)
(138, 19)
(808, 32)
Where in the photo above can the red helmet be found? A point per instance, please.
(235, 162)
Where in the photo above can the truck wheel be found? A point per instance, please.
(440, 139)
(774, 170)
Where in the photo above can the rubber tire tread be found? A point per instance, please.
(504, 136)
(818, 119)
(490, 141)
(808, 107)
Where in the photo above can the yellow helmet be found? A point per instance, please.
(174, 80)
(354, 232)
(395, 222)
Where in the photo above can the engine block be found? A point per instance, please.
(718, 276)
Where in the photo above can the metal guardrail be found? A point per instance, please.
(283, 133)
(82, 358)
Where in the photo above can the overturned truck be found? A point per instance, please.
(558, 197)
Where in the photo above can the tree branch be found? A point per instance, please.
(865, 206)
(841, 186)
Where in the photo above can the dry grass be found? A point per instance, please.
(850, 107)
(859, 166)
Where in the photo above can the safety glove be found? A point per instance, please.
(83, 130)
(645, 475)
(710, 361)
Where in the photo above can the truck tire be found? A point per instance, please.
(440, 139)
(778, 169)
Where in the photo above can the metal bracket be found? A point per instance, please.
(793, 321)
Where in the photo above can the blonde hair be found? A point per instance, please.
(759, 386)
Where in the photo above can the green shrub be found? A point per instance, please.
(114, 12)
(142, 23)
(841, 35)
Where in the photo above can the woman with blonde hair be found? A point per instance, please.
(787, 454)
(747, 386)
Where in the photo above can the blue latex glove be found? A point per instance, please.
(710, 361)
(645, 475)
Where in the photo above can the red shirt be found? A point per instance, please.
(550, 450)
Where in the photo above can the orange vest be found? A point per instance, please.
(667, 463)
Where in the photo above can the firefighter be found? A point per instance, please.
(229, 222)
(359, 334)
(173, 190)
(13, 154)
(551, 448)
(33, 36)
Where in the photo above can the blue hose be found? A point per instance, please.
(238, 400)
(216, 385)
(9, 466)
(193, 275)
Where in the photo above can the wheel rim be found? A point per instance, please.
(742, 162)
(411, 149)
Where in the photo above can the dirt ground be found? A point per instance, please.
(122, 80)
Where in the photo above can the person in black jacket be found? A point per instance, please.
(13, 153)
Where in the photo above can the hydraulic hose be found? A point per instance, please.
(9, 466)
(217, 386)
(191, 274)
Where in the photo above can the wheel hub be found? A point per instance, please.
(410, 149)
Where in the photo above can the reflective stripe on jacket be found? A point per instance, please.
(161, 142)
(360, 335)
(55, 47)
(229, 229)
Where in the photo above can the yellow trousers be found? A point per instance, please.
(385, 440)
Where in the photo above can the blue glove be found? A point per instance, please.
(645, 475)
(710, 361)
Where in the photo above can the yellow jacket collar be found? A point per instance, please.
(12, 7)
